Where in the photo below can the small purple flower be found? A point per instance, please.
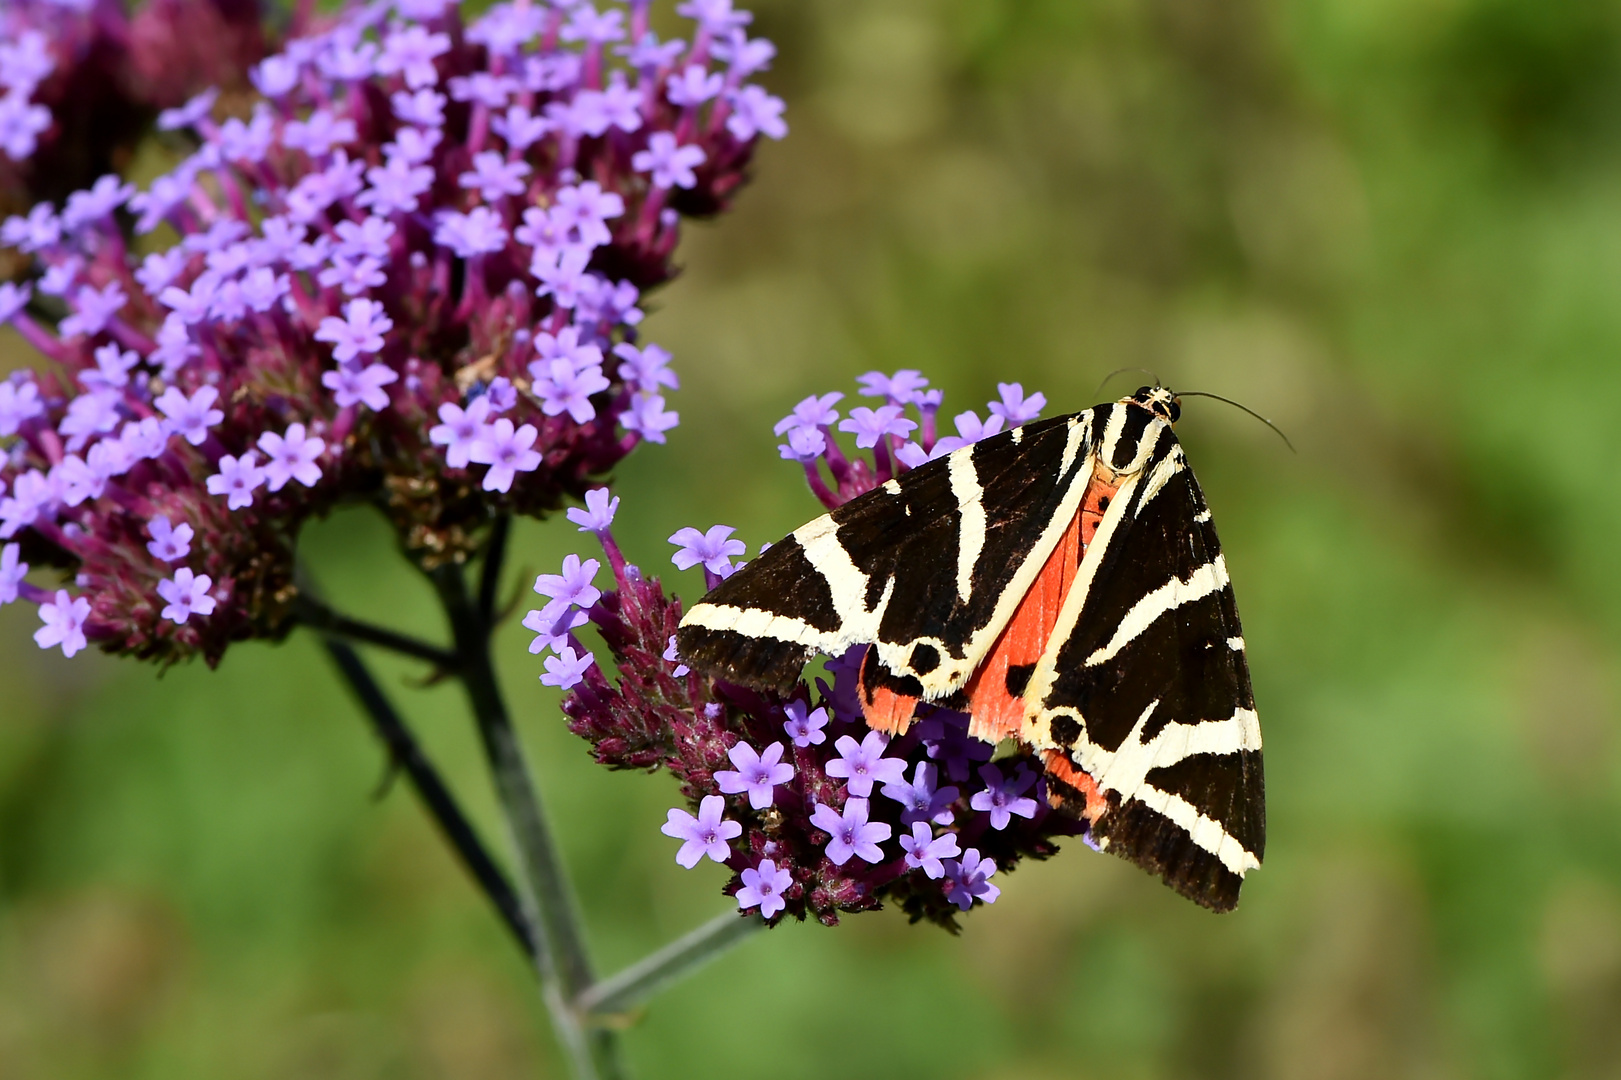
(507, 452)
(354, 385)
(755, 112)
(757, 774)
(804, 725)
(599, 511)
(494, 176)
(563, 387)
(354, 276)
(671, 165)
(900, 388)
(561, 273)
(360, 330)
(13, 298)
(190, 113)
(12, 573)
(553, 623)
(804, 445)
(870, 425)
(186, 595)
(671, 656)
(812, 413)
(1001, 798)
(85, 207)
(19, 403)
(64, 622)
(646, 367)
(410, 51)
(587, 24)
(459, 429)
(744, 56)
(566, 345)
(21, 124)
(583, 211)
(622, 104)
(764, 887)
(169, 543)
(648, 417)
(945, 735)
(924, 850)
(573, 585)
(715, 16)
(40, 229)
(863, 764)
(477, 232)
(424, 108)
(237, 479)
(492, 91)
(520, 129)
(923, 800)
(705, 834)
(969, 878)
(501, 394)
(274, 76)
(190, 418)
(1015, 408)
(969, 430)
(414, 146)
(292, 457)
(93, 309)
(565, 669)
(364, 239)
(395, 186)
(851, 833)
(693, 86)
(144, 439)
(25, 62)
(112, 369)
(711, 548)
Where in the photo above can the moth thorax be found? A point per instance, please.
(1161, 401)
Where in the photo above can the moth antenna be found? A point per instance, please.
(1246, 408)
(1121, 370)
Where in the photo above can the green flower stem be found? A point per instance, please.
(312, 612)
(565, 968)
(622, 992)
(406, 753)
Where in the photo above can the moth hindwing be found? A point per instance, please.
(1062, 583)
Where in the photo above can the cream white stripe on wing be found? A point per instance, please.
(1168, 466)
(1111, 433)
(845, 581)
(971, 517)
(1209, 578)
(1126, 771)
(758, 623)
(1205, 832)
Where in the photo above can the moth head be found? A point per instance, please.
(1160, 401)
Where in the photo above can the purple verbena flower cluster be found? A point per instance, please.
(81, 79)
(814, 813)
(408, 274)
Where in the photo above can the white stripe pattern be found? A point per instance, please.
(971, 518)
(1126, 770)
(1209, 578)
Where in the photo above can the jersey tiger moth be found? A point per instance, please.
(1062, 584)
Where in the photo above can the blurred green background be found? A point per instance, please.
(1393, 227)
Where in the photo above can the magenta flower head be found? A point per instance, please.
(406, 273)
(827, 817)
